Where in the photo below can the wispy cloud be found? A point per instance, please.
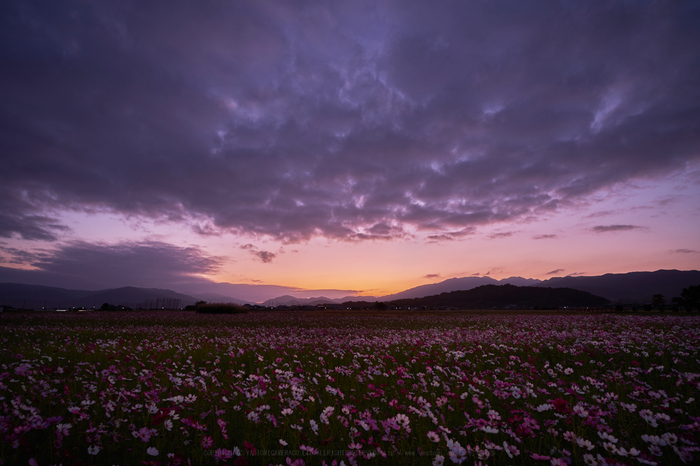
(505, 234)
(686, 251)
(602, 213)
(452, 235)
(431, 276)
(555, 272)
(551, 236)
(614, 228)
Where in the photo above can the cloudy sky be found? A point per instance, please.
(350, 147)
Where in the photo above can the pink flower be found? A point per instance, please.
(223, 454)
(207, 441)
(144, 434)
(535, 456)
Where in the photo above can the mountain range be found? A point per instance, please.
(633, 287)
(505, 297)
(37, 297)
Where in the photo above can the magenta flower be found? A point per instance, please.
(561, 405)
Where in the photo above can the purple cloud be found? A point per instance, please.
(613, 228)
(544, 236)
(505, 234)
(264, 256)
(97, 265)
(555, 272)
(325, 120)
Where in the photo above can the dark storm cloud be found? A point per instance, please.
(612, 228)
(352, 120)
(95, 265)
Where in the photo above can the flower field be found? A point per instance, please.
(294, 389)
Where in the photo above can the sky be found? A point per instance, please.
(345, 148)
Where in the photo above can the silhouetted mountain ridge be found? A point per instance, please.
(631, 287)
(36, 297)
(505, 296)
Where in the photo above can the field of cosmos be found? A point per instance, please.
(168, 388)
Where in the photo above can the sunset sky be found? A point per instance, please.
(346, 147)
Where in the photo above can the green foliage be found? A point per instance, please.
(690, 297)
(112, 307)
(219, 308)
(658, 302)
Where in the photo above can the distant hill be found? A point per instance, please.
(452, 284)
(631, 287)
(457, 284)
(287, 300)
(35, 297)
(217, 298)
(147, 298)
(505, 296)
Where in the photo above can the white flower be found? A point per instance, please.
(283, 443)
(153, 451)
(93, 450)
(610, 447)
(457, 453)
(433, 436)
(439, 460)
(583, 443)
(654, 440)
(606, 436)
(655, 450)
(63, 429)
(670, 439)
